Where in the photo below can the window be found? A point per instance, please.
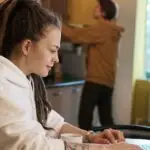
(147, 41)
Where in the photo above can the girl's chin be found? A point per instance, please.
(44, 74)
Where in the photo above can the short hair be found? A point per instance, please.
(109, 8)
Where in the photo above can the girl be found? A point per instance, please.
(29, 43)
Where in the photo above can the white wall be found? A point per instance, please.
(123, 89)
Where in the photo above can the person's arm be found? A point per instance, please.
(121, 145)
(19, 132)
(55, 121)
(90, 35)
(105, 137)
(24, 133)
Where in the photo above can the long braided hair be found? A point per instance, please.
(43, 106)
(26, 19)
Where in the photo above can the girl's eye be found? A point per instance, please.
(53, 51)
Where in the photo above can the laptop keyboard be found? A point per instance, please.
(145, 146)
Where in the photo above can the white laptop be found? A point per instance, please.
(144, 144)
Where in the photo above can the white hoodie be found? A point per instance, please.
(19, 128)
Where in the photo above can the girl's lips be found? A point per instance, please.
(49, 67)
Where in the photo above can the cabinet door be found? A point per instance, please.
(58, 6)
(55, 96)
(46, 3)
(61, 7)
(60, 100)
(66, 101)
(80, 11)
(75, 104)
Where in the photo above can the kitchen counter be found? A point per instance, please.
(67, 80)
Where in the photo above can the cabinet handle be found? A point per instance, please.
(57, 94)
(75, 90)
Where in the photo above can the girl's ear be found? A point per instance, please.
(26, 47)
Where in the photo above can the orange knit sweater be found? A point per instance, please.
(103, 39)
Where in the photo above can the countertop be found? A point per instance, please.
(66, 80)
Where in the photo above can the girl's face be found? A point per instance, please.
(41, 56)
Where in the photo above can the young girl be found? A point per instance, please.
(29, 43)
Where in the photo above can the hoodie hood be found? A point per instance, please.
(12, 73)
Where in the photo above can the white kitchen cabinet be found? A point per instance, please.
(59, 98)
(75, 103)
(66, 100)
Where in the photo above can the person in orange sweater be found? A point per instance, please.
(103, 39)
